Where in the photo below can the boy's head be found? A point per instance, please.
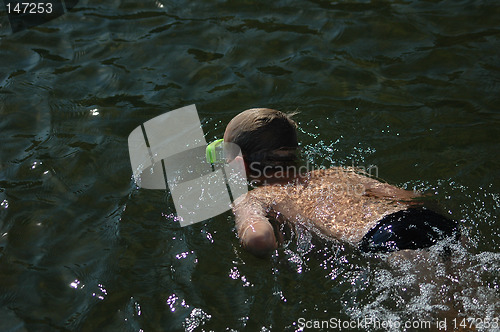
(267, 137)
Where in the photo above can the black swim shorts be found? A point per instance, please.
(414, 228)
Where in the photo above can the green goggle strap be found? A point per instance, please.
(211, 151)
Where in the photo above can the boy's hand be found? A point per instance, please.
(258, 238)
(254, 229)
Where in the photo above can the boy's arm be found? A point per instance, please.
(386, 191)
(254, 229)
(371, 187)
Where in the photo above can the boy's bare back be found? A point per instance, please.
(339, 202)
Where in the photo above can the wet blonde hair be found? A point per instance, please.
(267, 137)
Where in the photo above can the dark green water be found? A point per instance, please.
(412, 87)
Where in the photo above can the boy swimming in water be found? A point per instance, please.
(338, 203)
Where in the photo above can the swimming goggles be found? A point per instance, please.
(215, 152)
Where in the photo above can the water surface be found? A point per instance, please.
(409, 86)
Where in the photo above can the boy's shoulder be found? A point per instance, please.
(347, 182)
